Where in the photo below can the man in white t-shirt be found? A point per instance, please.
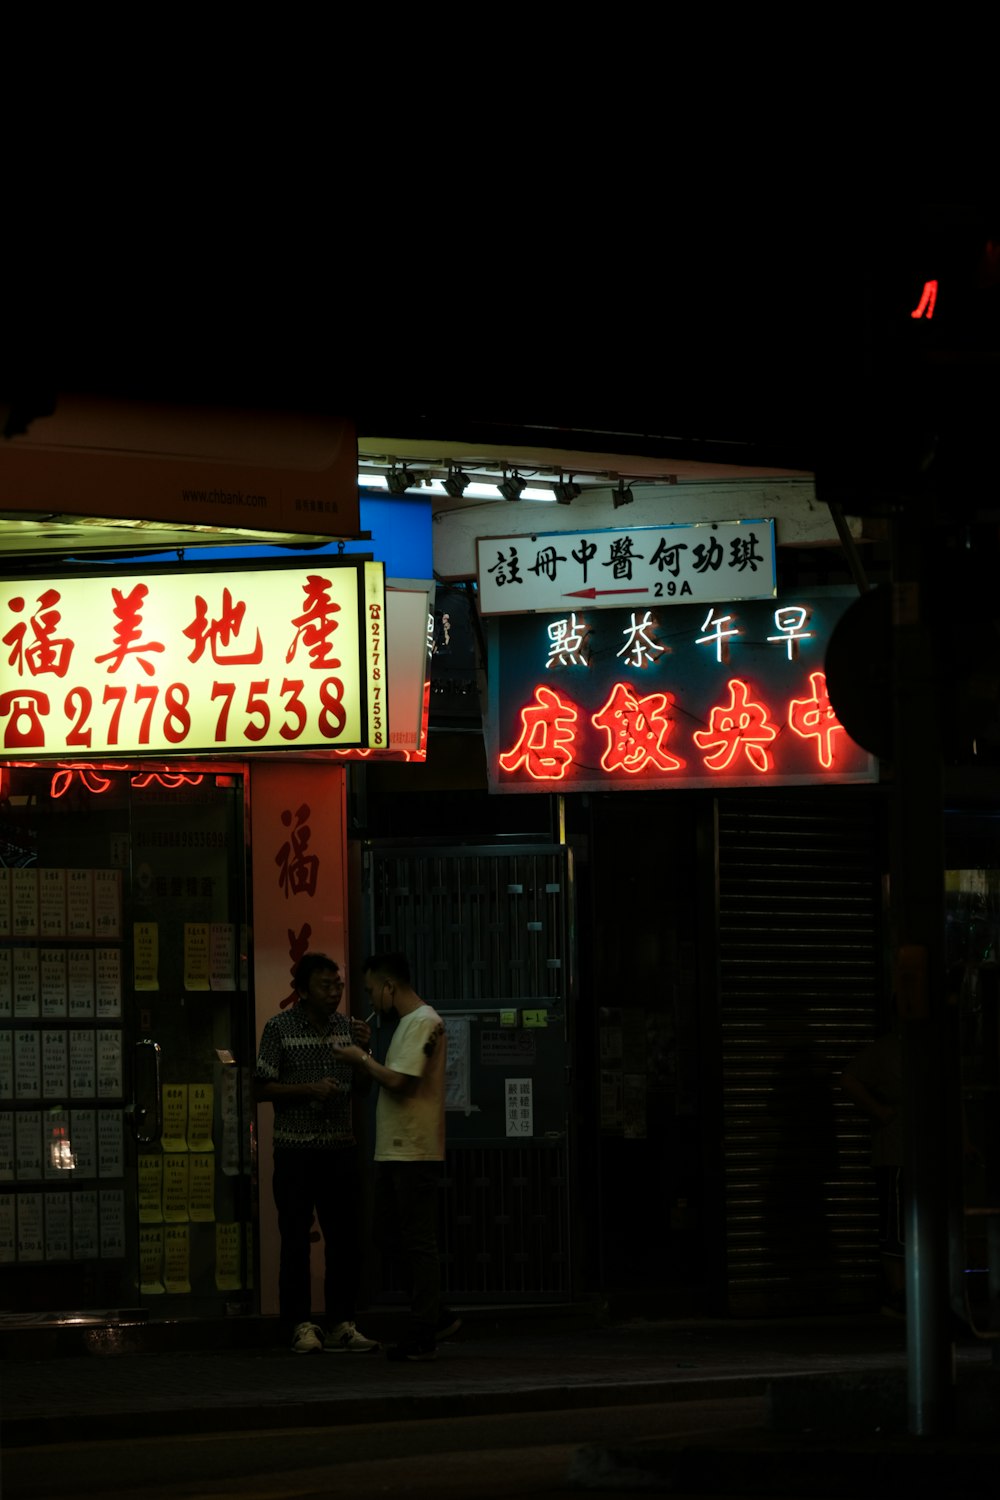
(409, 1145)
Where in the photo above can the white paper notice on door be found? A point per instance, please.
(108, 983)
(27, 1065)
(85, 1240)
(108, 905)
(110, 1143)
(146, 955)
(58, 1229)
(8, 1230)
(82, 1075)
(26, 983)
(80, 903)
(30, 1227)
(6, 984)
(55, 1065)
(223, 956)
(196, 956)
(109, 1062)
(28, 1145)
(83, 1138)
(6, 1146)
(52, 903)
(112, 1212)
(52, 982)
(6, 1065)
(80, 983)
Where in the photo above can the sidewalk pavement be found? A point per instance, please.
(833, 1372)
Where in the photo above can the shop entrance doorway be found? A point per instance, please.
(125, 1037)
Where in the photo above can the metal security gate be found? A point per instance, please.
(800, 953)
(488, 934)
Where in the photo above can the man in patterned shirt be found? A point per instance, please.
(302, 1074)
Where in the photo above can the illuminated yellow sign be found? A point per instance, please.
(194, 662)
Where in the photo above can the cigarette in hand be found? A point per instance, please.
(369, 1017)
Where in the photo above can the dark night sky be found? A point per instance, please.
(630, 277)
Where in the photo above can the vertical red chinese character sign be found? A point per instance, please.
(37, 651)
(299, 882)
(298, 873)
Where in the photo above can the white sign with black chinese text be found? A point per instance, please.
(649, 565)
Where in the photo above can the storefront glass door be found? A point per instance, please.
(125, 1038)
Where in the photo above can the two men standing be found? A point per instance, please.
(309, 1059)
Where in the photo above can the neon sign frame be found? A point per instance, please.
(728, 696)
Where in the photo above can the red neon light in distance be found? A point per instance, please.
(928, 297)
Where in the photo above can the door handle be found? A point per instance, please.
(147, 1052)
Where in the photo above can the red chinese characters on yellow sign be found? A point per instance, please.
(184, 662)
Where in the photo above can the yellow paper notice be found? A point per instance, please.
(175, 1189)
(151, 1261)
(150, 1189)
(227, 1257)
(202, 1188)
(146, 961)
(196, 956)
(177, 1255)
(175, 1117)
(201, 1108)
(223, 956)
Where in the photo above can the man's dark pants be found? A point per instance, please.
(324, 1181)
(406, 1221)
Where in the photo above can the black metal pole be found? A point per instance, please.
(917, 898)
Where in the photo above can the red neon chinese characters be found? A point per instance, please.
(216, 633)
(637, 731)
(814, 718)
(737, 725)
(63, 779)
(167, 779)
(548, 732)
(128, 613)
(47, 652)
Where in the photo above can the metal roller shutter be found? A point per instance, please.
(800, 981)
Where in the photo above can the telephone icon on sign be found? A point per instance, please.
(24, 729)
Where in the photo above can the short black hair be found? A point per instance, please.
(394, 965)
(310, 964)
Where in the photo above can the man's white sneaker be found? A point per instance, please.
(307, 1339)
(344, 1338)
